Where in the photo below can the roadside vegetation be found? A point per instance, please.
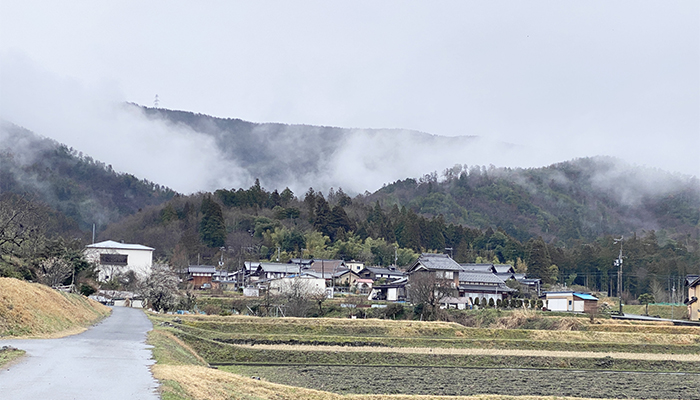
(37, 311)
(426, 357)
(9, 354)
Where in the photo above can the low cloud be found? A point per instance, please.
(96, 121)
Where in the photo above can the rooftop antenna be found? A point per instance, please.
(156, 102)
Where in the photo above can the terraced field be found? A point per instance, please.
(373, 357)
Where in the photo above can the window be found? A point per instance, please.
(113, 259)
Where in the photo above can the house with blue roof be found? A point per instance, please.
(570, 301)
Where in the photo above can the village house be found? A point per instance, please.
(377, 273)
(304, 285)
(364, 286)
(473, 285)
(323, 266)
(393, 291)
(441, 266)
(200, 276)
(346, 277)
(356, 266)
(472, 281)
(265, 270)
(114, 258)
(693, 283)
(570, 302)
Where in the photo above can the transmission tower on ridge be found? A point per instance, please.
(156, 102)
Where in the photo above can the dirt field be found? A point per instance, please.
(468, 381)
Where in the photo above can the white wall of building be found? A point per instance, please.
(139, 259)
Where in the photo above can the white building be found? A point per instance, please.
(570, 302)
(114, 258)
(300, 285)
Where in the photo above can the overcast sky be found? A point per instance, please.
(564, 79)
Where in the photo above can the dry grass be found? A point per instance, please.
(34, 310)
(169, 349)
(614, 337)
(201, 383)
(485, 352)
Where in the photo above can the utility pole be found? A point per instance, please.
(618, 263)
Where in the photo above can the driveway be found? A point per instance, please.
(108, 361)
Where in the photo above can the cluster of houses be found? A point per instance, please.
(469, 281)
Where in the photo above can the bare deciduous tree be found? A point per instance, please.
(53, 271)
(20, 223)
(426, 291)
(298, 295)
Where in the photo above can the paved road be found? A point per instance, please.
(108, 361)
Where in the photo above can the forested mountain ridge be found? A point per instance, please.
(580, 199)
(75, 185)
(300, 156)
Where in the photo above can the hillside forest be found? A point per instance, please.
(557, 223)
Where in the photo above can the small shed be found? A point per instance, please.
(201, 275)
(570, 302)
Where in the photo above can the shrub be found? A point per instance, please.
(393, 310)
(491, 302)
(86, 290)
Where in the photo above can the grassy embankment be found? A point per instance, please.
(270, 347)
(661, 310)
(31, 310)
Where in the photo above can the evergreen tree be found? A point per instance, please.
(286, 196)
(539, 263)
(322, 220)
(343, 199)
(212, 229)
(310, 202)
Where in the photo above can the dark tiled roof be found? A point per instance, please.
(280, 267)
(384, 271)
(503, 268)
(477, 267)
(439, 262)
(326, 265)
(692, 280)
(475, 277)
(201, 269)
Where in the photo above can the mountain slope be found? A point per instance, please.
(81, 188)
(300, 156)
(580, 199)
